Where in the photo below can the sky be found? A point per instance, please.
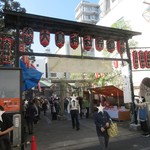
(62, 9)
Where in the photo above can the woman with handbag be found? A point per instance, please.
(102, 122)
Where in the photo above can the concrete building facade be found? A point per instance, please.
(137, 14)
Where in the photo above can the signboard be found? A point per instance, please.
(127, 90)
(10, 89)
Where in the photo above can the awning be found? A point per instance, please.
(108, 91)
(79, 65)
(45, 83)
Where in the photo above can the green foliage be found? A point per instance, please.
(122, 24)
(11, 5)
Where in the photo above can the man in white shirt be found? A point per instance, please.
(74, 110)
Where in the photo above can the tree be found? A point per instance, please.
(4, 32)
(11, 5)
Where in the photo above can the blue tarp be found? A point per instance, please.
(30, 76)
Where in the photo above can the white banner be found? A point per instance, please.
(79, 65)
(127, 90)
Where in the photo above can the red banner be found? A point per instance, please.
(135, 60)
(142, 59)
(147, 58)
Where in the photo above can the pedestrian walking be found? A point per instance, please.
(6, 126)
(74, 110)
(86, 106)
(80, 99)
(44, 106)
(143, 116)
(30, 116)
(102, 123)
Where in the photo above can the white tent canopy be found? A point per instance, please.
(75, 65)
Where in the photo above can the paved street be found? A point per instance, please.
(59, 135)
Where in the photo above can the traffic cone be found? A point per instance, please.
(33, 143)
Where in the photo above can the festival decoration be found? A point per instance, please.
(25, 58)
(115, 64)
(97, 75)
(99, 43)
(147, 59)
(110, 45)
(27, 35)
(142, 59)
(74, 40)
(121, 46)
(87, 42)
(59, 39)
(135, 59)
(6, 54)
(22, 48)
(44, 37)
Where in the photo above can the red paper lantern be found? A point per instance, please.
(142, 59)
(59, 39)
(116, 64)
(110, 45)
(97, 75)
(6, 55)
(135, 60)
(87, 42)
(44, 37)
(74, 40)
(22, 48)
(99, 43)
(27, 35)
(121, 46)
(147, 58)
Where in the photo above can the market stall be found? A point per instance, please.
(112, 98)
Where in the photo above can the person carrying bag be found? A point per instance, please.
(102, 123)
(113, 129)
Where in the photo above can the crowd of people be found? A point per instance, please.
(32, 110)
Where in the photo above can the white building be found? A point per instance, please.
(134, 12)
(87, 12)
(40, 64)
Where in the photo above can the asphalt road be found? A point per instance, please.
(58, 135)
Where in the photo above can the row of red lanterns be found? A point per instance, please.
(5, 50)
(27, 35)
(141, 59)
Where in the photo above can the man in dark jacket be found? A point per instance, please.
(102, 122)
(30, 116)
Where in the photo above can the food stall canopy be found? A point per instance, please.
(108, 91)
